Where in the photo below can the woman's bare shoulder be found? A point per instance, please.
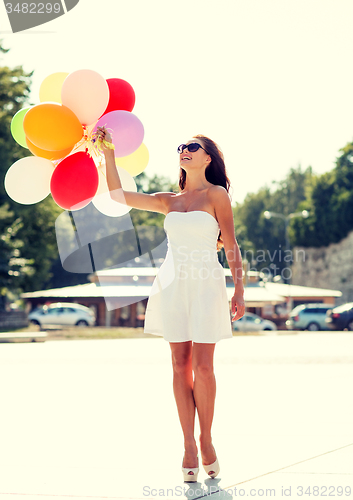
(166, 197)
(215, 191)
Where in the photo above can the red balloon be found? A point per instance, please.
(74, 181)
(122, 96)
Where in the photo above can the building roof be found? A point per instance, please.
(126, 271)
(92, 290)
(301, 291)
(138, 271)
(252, 294)
(256, 295)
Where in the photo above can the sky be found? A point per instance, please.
(269, 80)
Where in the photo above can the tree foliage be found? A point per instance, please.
(328, 198)
(263, 240)
(26, 231)
(330, 204)
(14, 269)
(14, 95)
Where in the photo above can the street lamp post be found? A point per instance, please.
(287, 218)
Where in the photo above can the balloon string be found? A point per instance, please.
(93, 145)
(85, 136)
(102, 172)
(98, 143)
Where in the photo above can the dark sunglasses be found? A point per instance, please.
(192, 148)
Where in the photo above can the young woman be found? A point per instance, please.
(188, 303)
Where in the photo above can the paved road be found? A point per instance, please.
(97, 419)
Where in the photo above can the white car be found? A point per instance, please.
(64, 314)
(252, 322)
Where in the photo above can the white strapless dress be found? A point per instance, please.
(188, 299)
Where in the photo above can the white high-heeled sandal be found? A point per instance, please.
(190, 475)
(213, 469)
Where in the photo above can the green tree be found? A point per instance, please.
(34, 224)
(263, 240)
(14, 269)
(330, 204)
(14, 94)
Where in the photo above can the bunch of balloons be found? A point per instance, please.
(59, 132)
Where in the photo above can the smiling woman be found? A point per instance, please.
(188, 303)
(215, 171)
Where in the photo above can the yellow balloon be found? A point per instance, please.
(136, 162)
(50, 89)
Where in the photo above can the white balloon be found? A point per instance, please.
(27, 181)
(102, 200)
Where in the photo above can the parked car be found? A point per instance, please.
(64, 314)
(252, 322)
(340, 317)
(308, 317)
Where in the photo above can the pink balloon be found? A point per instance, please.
(86, 93)
(128, 131)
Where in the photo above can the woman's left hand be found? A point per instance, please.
(238, 305)
(103, 135)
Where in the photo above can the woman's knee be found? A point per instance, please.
(202, 361)
(181, 359)
(203, 369)
(181, 364)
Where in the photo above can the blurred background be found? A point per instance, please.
(270, 82)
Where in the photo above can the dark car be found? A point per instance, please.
(341, 317)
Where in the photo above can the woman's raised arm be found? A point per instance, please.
(155, 202)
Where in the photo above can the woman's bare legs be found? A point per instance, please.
(186, 358)
(205, 394)
(183, 393)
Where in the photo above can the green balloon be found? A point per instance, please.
(17, 127)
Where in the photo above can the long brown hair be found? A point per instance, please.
(215, 172)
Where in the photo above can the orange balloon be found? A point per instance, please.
(52, 127)
(49, 155)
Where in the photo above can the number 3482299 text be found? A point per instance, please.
(34, 8)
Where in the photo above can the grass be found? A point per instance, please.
(98, 332)
(77, 333)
